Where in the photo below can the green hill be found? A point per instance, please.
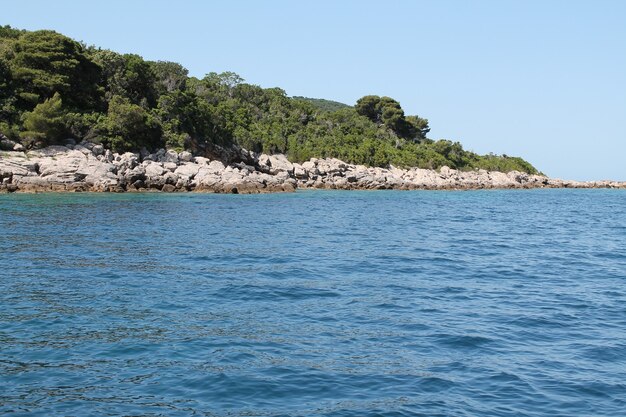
(53, 88)
(323, 104)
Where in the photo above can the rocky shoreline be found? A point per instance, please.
(90, 167)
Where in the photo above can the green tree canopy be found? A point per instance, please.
(169, 76)
(45, 62)
(418, 126)
(7, 32)
(128, 126)
(387, 111)
(128, 103)
(127, 76)
(46, 122)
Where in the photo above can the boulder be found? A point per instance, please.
(299, 172)
(154, 169)
(136, 174)
(108, 156)
(97, 150)
(330, 166)
(216, 167)
(82, 149)
(7, 144)
(168, 188)
(155, 182)
(200, 160)
(170, 156)
(279, 163)
(170, 166)
(188, 170)
(186, 156)
(127, 160)
(170, 178)
(87, 144)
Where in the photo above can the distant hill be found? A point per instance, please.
(323, 104)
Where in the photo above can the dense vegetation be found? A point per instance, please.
(53, 88)
(323, 104)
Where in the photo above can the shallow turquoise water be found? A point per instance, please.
(490, 303)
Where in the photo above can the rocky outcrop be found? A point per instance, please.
(90, 167)
(336, 174)
(7, 144)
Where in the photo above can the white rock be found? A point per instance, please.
(154, 170)
(170, 166)
(186, 156)
(170, 156)
(280, 163)
(188, 170)
(216, 167)
(299, 172)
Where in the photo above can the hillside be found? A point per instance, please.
(53, 88)
(323, 104)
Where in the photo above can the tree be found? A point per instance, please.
(5, 80)
(186, 119)
(7, 32)
(127, 76)
(419, 127)
(369, 106)
(228, 79)
(45, 123)
(169, 76)
(8, 112)
(128, 103)
(223, 83)
(322, 104)
(139, 80)
(129, 126)
(385, 111)
(45, 62)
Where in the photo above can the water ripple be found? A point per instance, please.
(490, 303)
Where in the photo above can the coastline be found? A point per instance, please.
(88, 167)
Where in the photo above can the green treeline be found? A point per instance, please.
(53, 88)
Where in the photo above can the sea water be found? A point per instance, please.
(476, 303)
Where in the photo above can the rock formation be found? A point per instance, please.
(90, 167)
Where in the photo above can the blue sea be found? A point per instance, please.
(316, 303)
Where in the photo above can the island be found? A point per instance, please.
(80, 118)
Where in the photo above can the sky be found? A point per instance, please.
(544, 80)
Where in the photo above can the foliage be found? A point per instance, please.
(504, 163)
(169, 77)
(7, 32)
(127, 76)
(128, 103)
(387, 111)
(8, 111)
(129, 127)
(323, 104)
(83, 125)
(46, 122)
(44, 62)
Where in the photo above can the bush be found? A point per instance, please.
(129, 127)
(46, 123)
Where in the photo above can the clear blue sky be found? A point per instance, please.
(545, 80)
